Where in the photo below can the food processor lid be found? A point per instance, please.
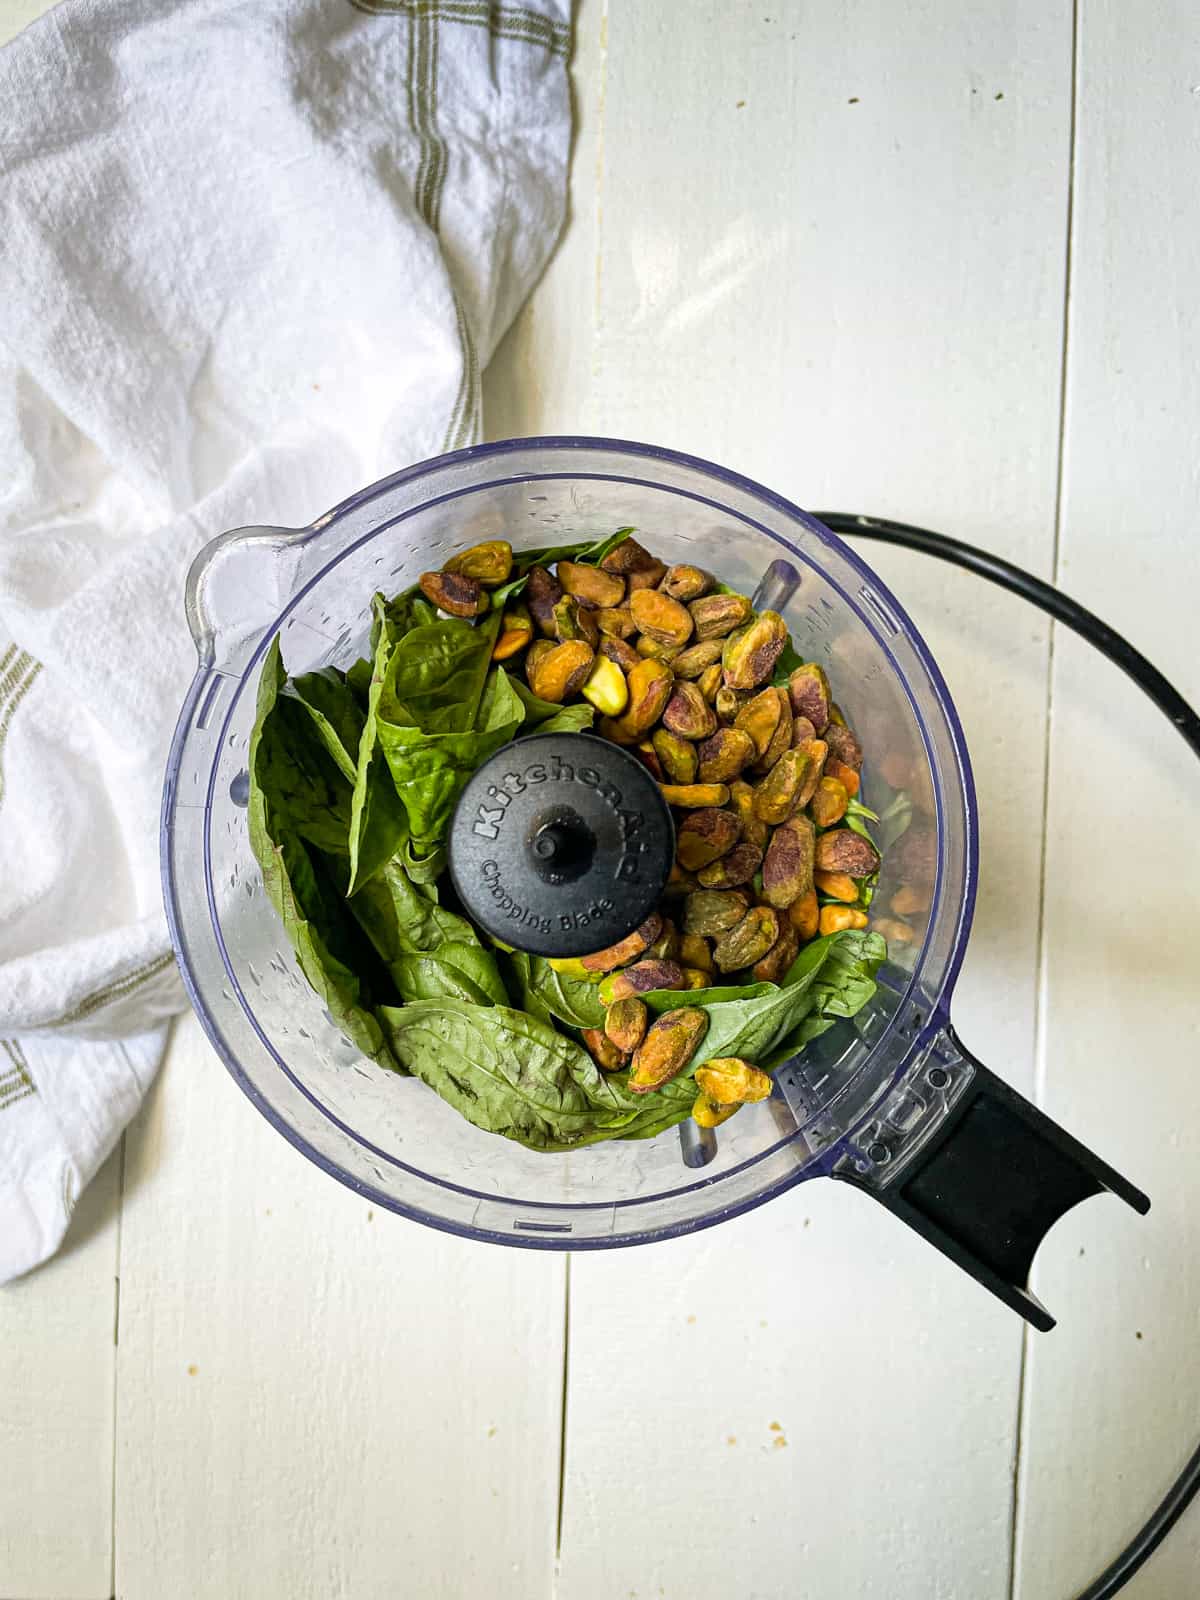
(561, 844)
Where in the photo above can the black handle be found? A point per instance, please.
(990, 1183)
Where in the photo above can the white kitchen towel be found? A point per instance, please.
(253, 255)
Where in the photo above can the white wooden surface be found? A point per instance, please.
(824, 243)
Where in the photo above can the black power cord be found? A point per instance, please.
(1173, 706)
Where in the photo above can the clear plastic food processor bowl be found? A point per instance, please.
(862, 1099)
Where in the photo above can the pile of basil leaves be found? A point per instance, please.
(353, 781)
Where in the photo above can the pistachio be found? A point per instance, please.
(846, 776)
(895, 930)
(697, 658)
(707, 1113)
(659, 617)
(732, 870)
(705, 835)
(655, 650)
(646, 577)
(759, 718)
(625, 656)
(709, 682)
(573, 621)
(686, 583)
(617, 621)
(802, 728)
(649, 689)
(628, 556)
(749, 657)
(804, 915)
(748, 941)
(829, 802)
(727, 703)
(788, 864)
(606, 687)
(781, 738)
(808, 688)
(516, 630)
(628, 949)
(687, 713)
(843, 850)
(676, 756)
(710, 913)
(730, 1081)
(753, 831)
(669, 1045)
(457, 596)
(775, 797)
(542, 593)
(771, 967)
(490, 562)
(666, 946)
(625, 1023)
(640, 979)
(724, 754)
(561, 671)
(835, 919)
(602, 1050)
(648, 756)
(837, 885)
(695, 952)
(844, 746)
(815, 750)
(537, 650)
(715, 615)
(691, 796)
(678, 882)
(569, 966)
(591, 584)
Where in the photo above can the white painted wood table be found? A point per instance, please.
(935, 261)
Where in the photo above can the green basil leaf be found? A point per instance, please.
(752, 1020)
(308, 794)
(544, 716)
(379, 821)
(789, 660)
(596, 553)
(590, 551)
(431, 978)
(392, 619)
(509, 1073)
(855, 808)
(576, 718)
(842, 986)
(856, 818)
(312, 914)
(336, 714)
(479, 965)
(424, 864)
(436, 675)
(547, 993)
(400, 919)
(358, 680)
(430, 771)
(661, 1108)
(440, 712)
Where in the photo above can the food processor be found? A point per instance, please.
(890, 1101)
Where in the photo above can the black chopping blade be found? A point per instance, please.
(561, 844)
